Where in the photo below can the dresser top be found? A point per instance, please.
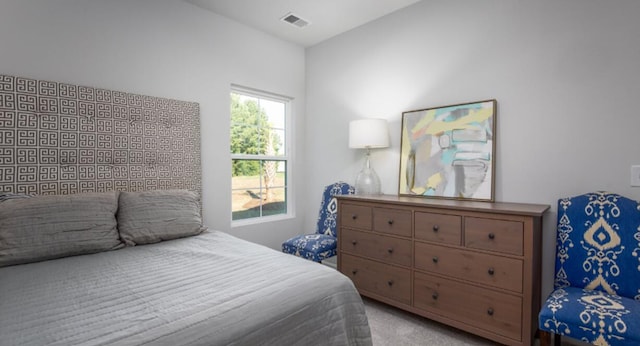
(493, 207)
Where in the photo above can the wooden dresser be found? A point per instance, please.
(472, 265)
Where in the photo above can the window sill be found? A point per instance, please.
(261, 220)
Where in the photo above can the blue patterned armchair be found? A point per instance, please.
(597, 277)
(322, 244)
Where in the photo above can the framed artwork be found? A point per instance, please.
(449, 151)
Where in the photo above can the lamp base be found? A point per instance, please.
(367, 182)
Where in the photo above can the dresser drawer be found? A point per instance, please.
(356, 216)
(392, 221)
(494, 235)
(482, 268)
(387, 249)
(374, 277)
(446, 229)
(496, 312)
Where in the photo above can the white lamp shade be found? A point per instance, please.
(368, 133)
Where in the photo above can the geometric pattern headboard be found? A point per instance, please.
(58, 138)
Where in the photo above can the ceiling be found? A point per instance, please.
(328, 18)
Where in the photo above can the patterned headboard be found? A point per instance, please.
(58, 138)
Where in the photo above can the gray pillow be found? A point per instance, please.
(5, 196)
(153, 216)
(52, 226)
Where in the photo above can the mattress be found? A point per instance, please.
(210, 289)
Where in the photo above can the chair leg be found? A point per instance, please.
(557, 339)
(545, 338)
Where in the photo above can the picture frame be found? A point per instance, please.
(449, 151)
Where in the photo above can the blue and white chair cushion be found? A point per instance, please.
(315, 247)
(597, 282)
(322, 244)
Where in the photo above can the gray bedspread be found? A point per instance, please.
(210, 289)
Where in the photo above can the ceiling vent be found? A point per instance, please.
(294, 19)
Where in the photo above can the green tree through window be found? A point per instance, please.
(259, 161)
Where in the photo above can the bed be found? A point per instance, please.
(207, 288)
(112, 250)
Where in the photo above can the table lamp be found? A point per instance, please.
(368, 134)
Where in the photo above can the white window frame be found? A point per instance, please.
(288, 156)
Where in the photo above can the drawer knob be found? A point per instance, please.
(491, 271)
(354, 242)
(354, 216)
(354, 272)
(390, 251)
(490, 312)
(436, 228)
(434, 296)
(390, 222)
(435, 259)
(492, 236)
(390, 283)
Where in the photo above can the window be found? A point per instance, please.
(259, 154)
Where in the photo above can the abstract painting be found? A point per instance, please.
(449, 151)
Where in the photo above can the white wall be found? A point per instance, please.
(162, 48)
(565, 75)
